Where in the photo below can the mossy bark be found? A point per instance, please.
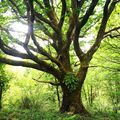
(72, 100)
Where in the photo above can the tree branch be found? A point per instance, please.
(108, 33)
(49, 82)
(108, 9)
(106, 67)
(10, 51)
(40, 5)
(44, 29)
(79, 26)
(16, 53)
(50, 12)
(62, 17)
(40, 17)
(73, 19)
(19, 63)
(15, 5)
(56, 37)
(111, 36)
(42, 66)
(114, 29)
(16, 9)
(40, 49)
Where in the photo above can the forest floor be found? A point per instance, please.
(20, 114)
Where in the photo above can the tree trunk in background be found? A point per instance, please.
(0, 98)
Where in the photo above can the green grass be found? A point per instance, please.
(22, 114)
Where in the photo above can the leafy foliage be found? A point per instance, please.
(4, 78)
(71, 81)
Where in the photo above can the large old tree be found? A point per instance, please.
(64, 26)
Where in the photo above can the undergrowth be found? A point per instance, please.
(33, 114)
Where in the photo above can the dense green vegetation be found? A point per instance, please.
(30, 100)
(65, 58)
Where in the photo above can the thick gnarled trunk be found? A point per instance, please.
(72, 100)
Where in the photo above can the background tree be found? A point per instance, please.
(102, 83)
(63, 25)
(112, 72)
(4, 80)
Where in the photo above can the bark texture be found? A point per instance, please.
(72, 102)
